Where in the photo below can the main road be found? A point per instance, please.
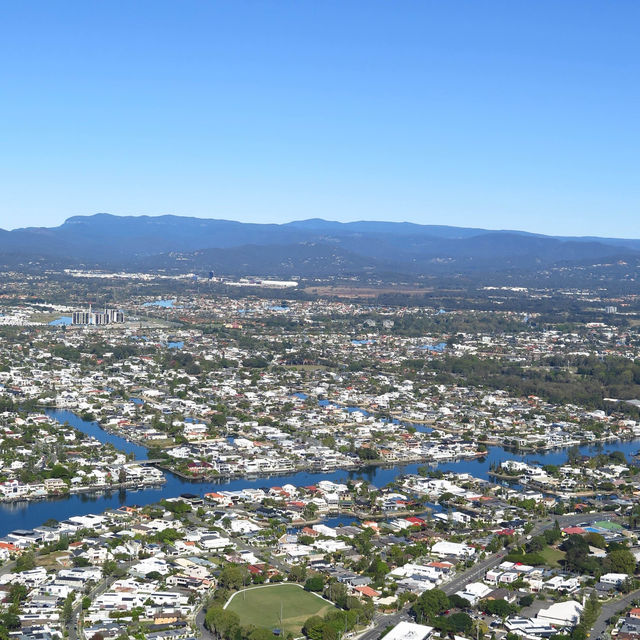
(381, 622)
(611, 609)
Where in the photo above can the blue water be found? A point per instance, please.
(325, 403)
(165, 304)
(31, 514)
(334, 521)
(439, 348)
(62, 321)
(94, 430)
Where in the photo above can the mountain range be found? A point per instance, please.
(306, 248)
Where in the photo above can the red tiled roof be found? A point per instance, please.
(573, 530)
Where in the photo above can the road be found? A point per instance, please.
(8, 567)
(473, 573)
(611, 609)
(381, 622)
(241, 545)
(204, 632)
(97, 591)
(481, 567)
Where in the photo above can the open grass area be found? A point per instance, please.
(46, 317)
(363, 292)
(261, 606)
(552, 556)
(56, 560)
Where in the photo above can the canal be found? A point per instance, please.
(26, 515)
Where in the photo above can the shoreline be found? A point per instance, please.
(390, 464)
(85, 490)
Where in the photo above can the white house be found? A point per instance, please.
(561, 614)
(409, 631)
(457, 549)
(615, 579)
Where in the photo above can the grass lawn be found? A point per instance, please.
(261, 606)
(552, 556)
(45, 317)
(55, 560)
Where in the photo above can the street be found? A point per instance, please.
(611, 609)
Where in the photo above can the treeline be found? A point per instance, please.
(98, 349)
(592, 382)
(449, 614)
(350, 611)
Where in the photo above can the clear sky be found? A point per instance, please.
(513, 114)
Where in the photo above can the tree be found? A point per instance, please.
(26, 562)
(338, 593)
(312, 628)
(11, 618)
(60, 471)
(458, 601)
(596, 540)
(621, 561)
(577, 552)
(62, 544)
(554, 534)
(80, 561)
(591, 610)
(315, 583)
(67, 608)
(498, 607)
(233, 576)
(378, 569)
(17, 593)
(179, 507)
(536, 544)
(367, 453)
(221, 621)
(430, 604)
(460, 622)
(617, 457)
(298, 573)
(589, 615)
(153, 575)
(310, 511)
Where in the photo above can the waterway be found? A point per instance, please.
(62, 321)
(26, 515)
(94, 430)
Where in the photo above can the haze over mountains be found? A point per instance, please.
(306, 248)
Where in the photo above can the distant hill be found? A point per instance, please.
(307, 248)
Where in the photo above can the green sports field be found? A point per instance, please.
(261, 607)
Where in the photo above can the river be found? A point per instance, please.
(26, 515)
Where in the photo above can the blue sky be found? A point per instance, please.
(521, 115)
